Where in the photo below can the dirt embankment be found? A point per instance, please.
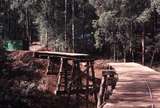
(23, 82)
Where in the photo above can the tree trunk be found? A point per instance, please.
(65, 29)
(46, 38)
(124, 54)
(132, 56)
(142, 41)
(73, 26)
(27, 37)
(130, 41)
(55, 25)
(47, 16)
(117, 54)
(114, 52)
(152, 59)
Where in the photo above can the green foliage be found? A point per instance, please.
(144, 17)
(118, 22)
(49, 15)
(13, 45)
(121, 21)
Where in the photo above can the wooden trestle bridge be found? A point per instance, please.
(138, 86)
(76, 77)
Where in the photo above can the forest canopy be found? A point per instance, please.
(83, 25)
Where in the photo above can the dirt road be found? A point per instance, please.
(138, 87)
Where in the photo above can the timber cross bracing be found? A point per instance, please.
(78, 79)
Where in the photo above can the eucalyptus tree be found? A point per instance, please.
(5, 19)
(54, 21)
(25, 17)
(124, 15)
(149, 17)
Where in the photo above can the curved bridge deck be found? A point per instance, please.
(138, 87)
